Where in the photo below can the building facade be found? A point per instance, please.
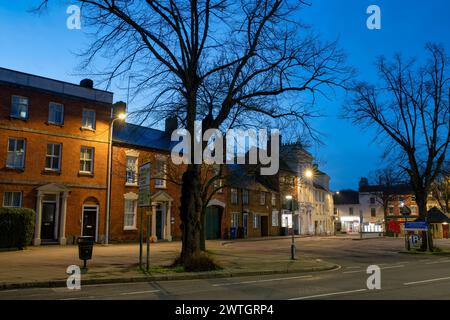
(54, 142)
(55, 139)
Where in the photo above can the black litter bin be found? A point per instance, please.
(284, 231)
(85, 246)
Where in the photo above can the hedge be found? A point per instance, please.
(16, 227)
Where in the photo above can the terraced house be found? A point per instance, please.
(53, 146)
(55, 142)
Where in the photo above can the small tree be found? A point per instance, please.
(410, 107)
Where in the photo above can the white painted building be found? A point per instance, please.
(314, 215)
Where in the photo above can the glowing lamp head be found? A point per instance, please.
(122, 116)
(308, 173)
(288, 197)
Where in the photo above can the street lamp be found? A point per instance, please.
(309, 173)
(289, 198)
(120, 117)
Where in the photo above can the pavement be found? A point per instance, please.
(401, 276)
(46, 266)
(418, 277)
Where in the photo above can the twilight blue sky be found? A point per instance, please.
(43, 45)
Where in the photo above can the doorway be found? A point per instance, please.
(445, 230)
(264, 226)
(160, 221)
(245, 224)
(212, 223)
(48, 220)
(89, 223)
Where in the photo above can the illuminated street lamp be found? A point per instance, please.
(120, 117)
(309, 173)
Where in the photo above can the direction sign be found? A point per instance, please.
(144, 185)
(416, 226)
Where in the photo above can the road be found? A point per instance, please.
(402, 277)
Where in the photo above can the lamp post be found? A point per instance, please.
(121, 117)
(289, 198)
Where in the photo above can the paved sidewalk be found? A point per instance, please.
(46, 265)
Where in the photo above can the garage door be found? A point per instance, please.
(212, 223)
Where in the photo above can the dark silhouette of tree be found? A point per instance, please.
(410, 109)
(225, 63)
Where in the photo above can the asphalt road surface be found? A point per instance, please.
(402, 277)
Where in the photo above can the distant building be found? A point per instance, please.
(347, 211)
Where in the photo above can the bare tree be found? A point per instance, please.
(410, 107)
(386, 179)
(225, 63)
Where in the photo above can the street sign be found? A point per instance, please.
(415, 241)
(416, 226)
(144, 185)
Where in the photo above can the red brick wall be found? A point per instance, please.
(37, 134)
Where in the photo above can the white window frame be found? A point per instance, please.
(234, 196)
(160, 177)
(273, 199)
(52, 105)
(256, 221)
(125, 213)
(53, 156)
(12, 199)
(94, 124)
(275, 218)
(84, 159)
(245, 197)
(132, 170)
(18, 116)
(15, 152)
(234, 220)
(262, 198)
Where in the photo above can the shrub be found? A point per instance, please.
(197, 263)
(16, 227)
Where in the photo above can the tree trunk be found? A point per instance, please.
(421, 200)
(191, 213)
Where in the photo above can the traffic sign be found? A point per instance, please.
(416, 226)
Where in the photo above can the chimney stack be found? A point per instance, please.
(171, 124)
(119, 107)
(87, 83)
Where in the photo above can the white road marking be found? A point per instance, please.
(439, 261)
(139, 292)
(258, 281)
(426, 281)
(329, 294)
(354, 267)
(6, 291)
(79, 298)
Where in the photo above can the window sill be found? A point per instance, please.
(61, 125)
(52, 172)
(128, 184)
(87, 129)
(129, 229)
(18, 118)
(12, 169)
(85, 174)
(160, 187)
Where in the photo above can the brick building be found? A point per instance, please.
(54, 142)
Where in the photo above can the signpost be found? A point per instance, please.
(144, 201)
(414, 240)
